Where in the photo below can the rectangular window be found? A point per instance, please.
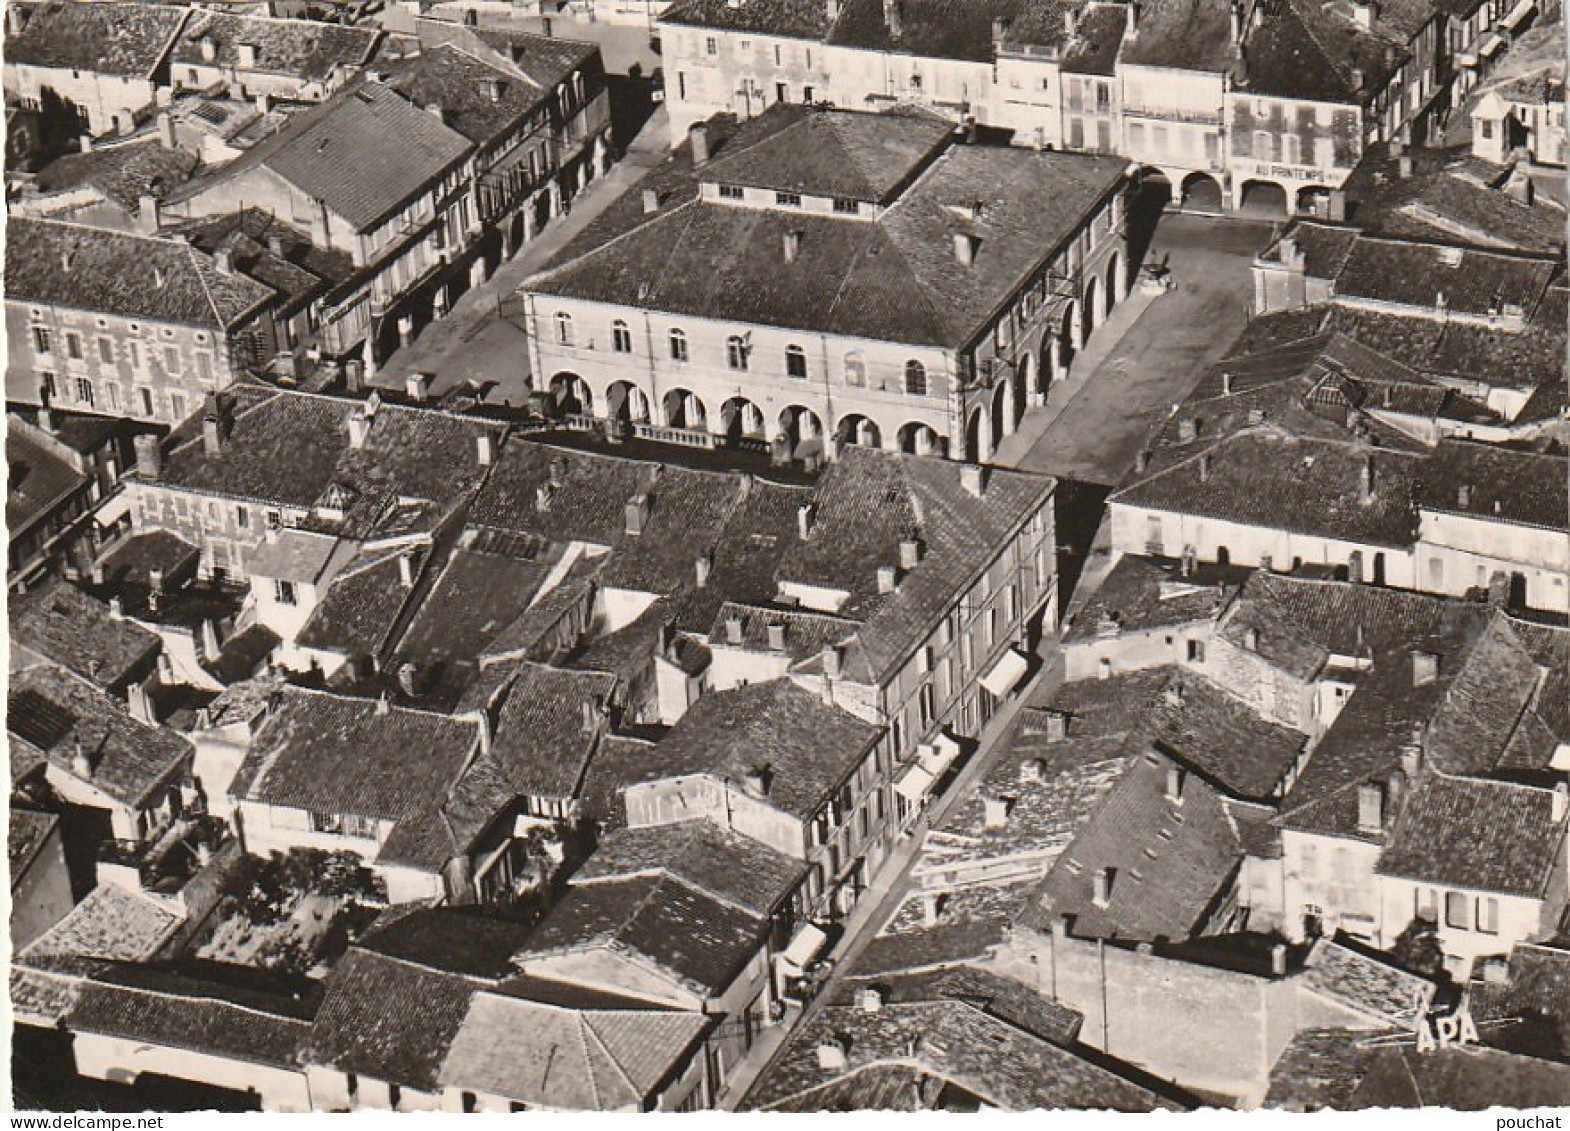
(204, 366)
(788, 199)
(242, 517)
(344, 824)
(1488, 915)
(106, 351)
(732, 192)
(781, 92)
(846, 207)
(146, 397)
(176, 406)
(1196, 651)
(41, 341)
(112, 396)
(171, 359)
(51, 386)
(1425, 904)
(711, 46)
(73, 347)
(283, 592)
(806, 94)
(1458, 911)
(84, 391)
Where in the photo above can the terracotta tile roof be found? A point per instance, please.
(687, 510)
(300, 49)
(831, 153)
(701, 942)
(1494, 693)
(413, 460)
(329, 754)
(1482, 835)
(1471, 280)
(24, 834)
(994, 994)
(733, 868)
(153, 1006)
(570, 1060)
(806, 633)
(479, 592)
(966, 937)
(1265, 477)
(111, 922)
(389, 1019)
(895, 279)
(1302, 51)
(540, 739)
(122, 173)
(1170, 862)
(67, 627)
(1536, 984)
(454, 940)
(1461, 351)
(1143, 594)
(298, 271)
(1098, 36)
(952, 1041)
(435, 835)
(1463, 1079)
(793, 19)
(946, 29)
(121, 273)
(1321, 1069)
(121, 40)
(746, 553)
(1190, 35)
(1501, 485)
(1367, 983)
(365, 153)
(808, 746)
(54, 714)
(456, 81)
(619, 761)
(360, 607)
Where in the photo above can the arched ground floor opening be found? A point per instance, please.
(858, 429)
(570, 395)
(920, 439)
(1201, 192)
(1265, 199)
(802, 430)
(684, 410)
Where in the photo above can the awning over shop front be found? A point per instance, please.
(1466, 59)
(1006, 673)
(914, 782)
(115, 508)
(937, 755)
(1491, 46)
(806, 946)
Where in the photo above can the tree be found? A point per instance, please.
(1419, 949)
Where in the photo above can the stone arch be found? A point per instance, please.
(803, 431)
(1067, 340)
(1262, 198)
(1313, 200)
(856, 428)
(1202, 193)
(1023, 383)
(1153, 186)
(626, 402)
(683, 409)
(920, 439)
(1001, 418)
(977, 439)
(1091, 316)
(570, 394)
(743, 420)
(1117, 285)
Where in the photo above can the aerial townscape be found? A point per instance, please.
(790, 555)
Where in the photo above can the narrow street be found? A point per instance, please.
(474, 342)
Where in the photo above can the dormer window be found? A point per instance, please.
(846, 207)
(732, 192)
(788, 199)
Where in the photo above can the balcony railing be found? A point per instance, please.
(1174, 114)
(681, 437)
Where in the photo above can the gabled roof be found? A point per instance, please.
(67, 627)
(1478, 835)
(121, 40)
(1527, 488)
(459, 83)
(569, 1059)
(1471, 281)
(330, 754)
(946, 29)
(58, 715)
(1463, 1079)
(364, 154)
(112, 922)
(731, 867)
(1381, 992)
(122, 173)
(308, 50)
(664, 921)
(791, 19)
(40, 476)
(125, 274)
(541, 741)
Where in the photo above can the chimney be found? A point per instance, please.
(275, 245)
(965, 248)
(792, 242)
(149, 456)
(698, 135)
(1425, 668)
(383, 706)
(1142, 461)
(831, 1055)
(888, 578)
(406, 570)
(81, 764)
(1070, 22)
(485, 449)
(408, 678)
(637, 513)
(1104, 668)
(1335, 210)
(870, 998)
(1204, 468)
(247, 54)
(1365, 12)
(1561, 803)
(1251, 640)
(147, 213)
(593, 716)
(558, 471)
(15, 19)
(1366, 480)
(1235, 25)
(703, 565)
(1412, 755)
(1101, 886)
(209, 47)
(651, 202)
(1404, 166)
(1187, 430)
(435, 110)
(894, 17)
(755, 781)
(359, 427)
(1370, 807)
(733, 631)
(213, 426)
(1131, 25)
(931, 908)
(418, 386)
(994, 812)
(832, 661)
(1278, 960)
(973, 478)
(909, 554)
(1175, 784)
(776, 636)
(116, 608)
(1226, 384)
(1464, 496)
(46, 416)
(831, 9)
(804, 515)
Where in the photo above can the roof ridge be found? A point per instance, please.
(580, 1027)
(586, 1025)
(551, 272)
